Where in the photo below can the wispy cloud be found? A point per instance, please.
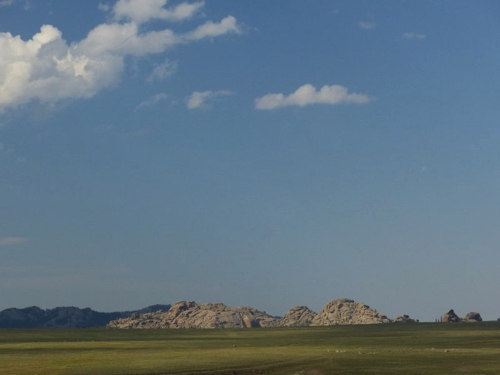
(163, 71)
(104, 128)
(201, 99)
(103, 7)
(140, 11)
(367, 25)
(7, 241)
(6, 3)
(210, 29)
(155, 99)
(414, 36)
(307, 95)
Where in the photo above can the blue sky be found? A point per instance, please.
(263, 153)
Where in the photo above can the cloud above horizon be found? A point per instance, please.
(201, 99)
(7, 241)
(48, 69)
(307, 95)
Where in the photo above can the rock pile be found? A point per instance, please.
(472, 317)
(405, 319)
(185, 314)
(451, 317)
(298, 316)
(346, 311)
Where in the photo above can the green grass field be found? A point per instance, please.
(380, 349)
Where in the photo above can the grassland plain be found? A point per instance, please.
(424, 348)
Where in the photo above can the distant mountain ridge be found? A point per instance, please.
(66, 317)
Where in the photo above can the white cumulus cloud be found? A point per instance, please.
(48, 69)
(414, 36)
(155, 99)
(6, 241)
(141, 11)
(307, 95)
(200, 99)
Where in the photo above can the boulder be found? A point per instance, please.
(298, 316)
(405, 319)
(346, 311)
(451, 317)
(472, 317)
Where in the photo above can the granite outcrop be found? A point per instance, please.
(472, 317)
(189, 314)
(298, 316)
(451, 317)
(346, 311)
(404, 319)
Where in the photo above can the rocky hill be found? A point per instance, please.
(64, 317)
(185, 314)
(298, 316)
(346, 311)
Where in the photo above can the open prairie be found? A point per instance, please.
(424, 348)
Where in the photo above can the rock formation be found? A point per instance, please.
(185, 314)
(346, 311)
(451, 317)
(298, 316)
(472, 317)
(405, 319)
